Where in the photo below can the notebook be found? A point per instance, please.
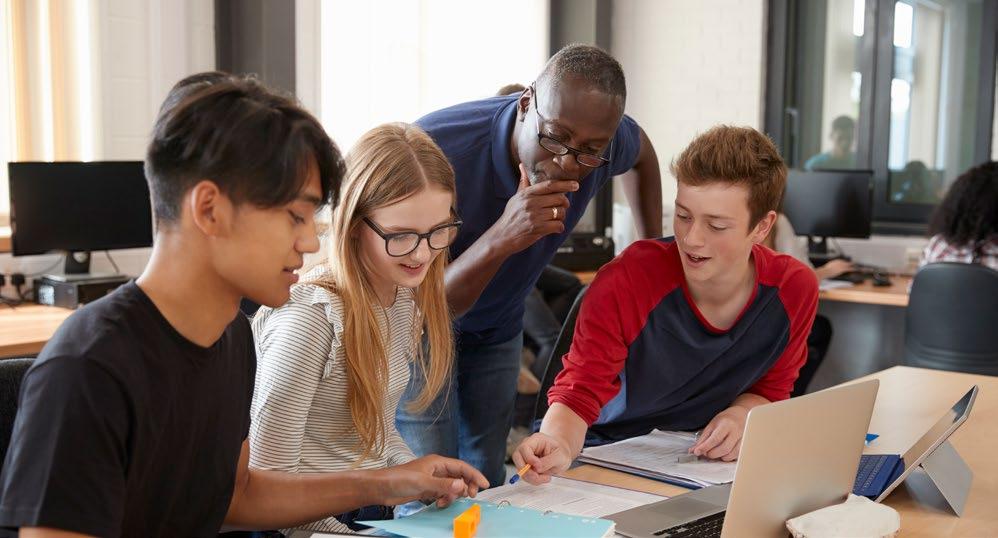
(657, 456)
(498, 520)
(568, 496)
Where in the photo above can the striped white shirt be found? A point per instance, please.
(301, 422)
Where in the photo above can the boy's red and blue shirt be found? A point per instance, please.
(643, 356)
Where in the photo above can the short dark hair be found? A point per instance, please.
(969, 213)
(591, 64)
(844, 123)
(253, 142)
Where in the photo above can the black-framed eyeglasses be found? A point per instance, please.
(590, 160)
(398, 244)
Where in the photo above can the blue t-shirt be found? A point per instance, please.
(475, 136)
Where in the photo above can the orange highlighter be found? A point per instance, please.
(466, 524)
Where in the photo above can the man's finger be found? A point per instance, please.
(547, 201)
(524, 178)
(554, 186)
(458, 469)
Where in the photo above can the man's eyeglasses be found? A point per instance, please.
(554, 146)
(398, 244)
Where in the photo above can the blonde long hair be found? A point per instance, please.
(388, 164)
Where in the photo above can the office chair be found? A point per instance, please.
(11, 373)
(554, 362)
(951, 317)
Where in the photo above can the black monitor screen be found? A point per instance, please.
(76, 206)
(829, 203)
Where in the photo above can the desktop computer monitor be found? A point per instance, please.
(829, 203)
(78, 207)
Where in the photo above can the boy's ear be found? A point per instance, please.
(762, 228)
(211, 210)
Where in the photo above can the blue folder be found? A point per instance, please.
(497, 521)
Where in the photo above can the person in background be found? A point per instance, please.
(841, 155)
(964, 227)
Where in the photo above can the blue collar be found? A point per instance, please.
(506, 177)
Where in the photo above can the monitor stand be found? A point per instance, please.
(77, 269)
(817, 250)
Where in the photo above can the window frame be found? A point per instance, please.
(783, 93)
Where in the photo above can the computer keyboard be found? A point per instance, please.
(875, 472)
(704, 527)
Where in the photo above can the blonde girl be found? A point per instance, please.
(334, 361)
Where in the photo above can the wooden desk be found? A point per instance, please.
(910, 400)
(25, 329)
(894, 295)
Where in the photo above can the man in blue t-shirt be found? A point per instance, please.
(526, 168)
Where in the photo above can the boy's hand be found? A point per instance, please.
(429, 478)
(722, 438)
(546, 455)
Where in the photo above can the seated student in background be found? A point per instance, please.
(334, 360)
(687, 333)
(783, 238)
(964, 227)
(133, 420)
(841, 156)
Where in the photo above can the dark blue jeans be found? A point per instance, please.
(472, 417)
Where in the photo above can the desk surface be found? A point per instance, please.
(894, 295)
(25, 329)
(910, 400)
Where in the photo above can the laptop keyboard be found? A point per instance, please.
(705, 527)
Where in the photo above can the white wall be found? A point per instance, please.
(689, 66)
(145, 47)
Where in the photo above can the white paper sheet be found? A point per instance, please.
(567, 496)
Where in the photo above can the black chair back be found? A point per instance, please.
(554, 362)
(11, 373)
(952, 319)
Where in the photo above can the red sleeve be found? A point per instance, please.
(612, 314)
(799, 295)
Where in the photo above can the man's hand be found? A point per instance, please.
(722, 438)
(429, 478)
(546, 455)
(533, 212)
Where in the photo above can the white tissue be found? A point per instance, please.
(858, 517)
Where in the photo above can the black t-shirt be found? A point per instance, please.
(126, 428)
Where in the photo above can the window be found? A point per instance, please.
(395, 60)
(47, 87)
(905, 88)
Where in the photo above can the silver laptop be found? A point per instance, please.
(797, 456)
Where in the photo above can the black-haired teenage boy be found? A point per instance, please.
(133, 420)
